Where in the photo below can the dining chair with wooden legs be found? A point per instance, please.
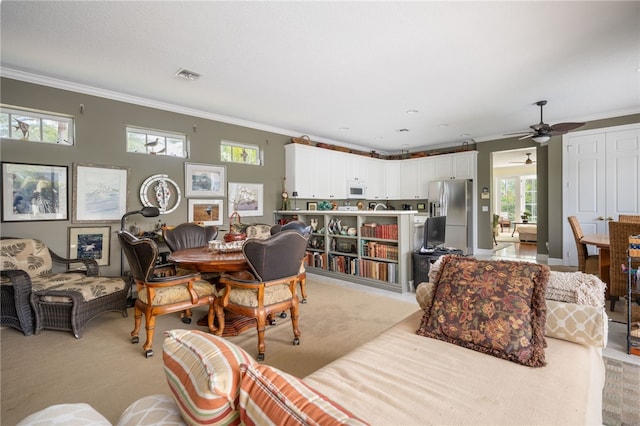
(629, 218)
(586, 263)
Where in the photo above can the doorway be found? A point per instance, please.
(514, 181)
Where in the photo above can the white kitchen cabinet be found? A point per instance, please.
(315, 173)
(375, 178)
(393, 180)
(455, 166)
(409, 175)
(426, 174)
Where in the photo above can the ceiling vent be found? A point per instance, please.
(189, 75)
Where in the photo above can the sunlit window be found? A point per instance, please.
(156, 142)
(234, 152)
(36, 126)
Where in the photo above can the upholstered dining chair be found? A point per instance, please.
(619, 233)
(586, 263)
(305, 231)
(188, 235)
(629, 218)
(161, 293)
(275, 265)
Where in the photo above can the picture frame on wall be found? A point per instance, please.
(99, 193)
(90, 243)
(34, 192)
(246, 198)
(204, 180)
(208, 212)
(312, 205)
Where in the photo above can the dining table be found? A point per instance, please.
(601, 241)
(202, 259)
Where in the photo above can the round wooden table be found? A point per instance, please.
(201, 259)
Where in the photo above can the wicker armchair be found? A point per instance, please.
(35, 298)
(586, 263)
(629, 218)
(619, 233)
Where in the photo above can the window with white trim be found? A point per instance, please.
(235, 152)
(29, 125)
(156, 142)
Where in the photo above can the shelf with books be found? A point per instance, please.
(372, 248)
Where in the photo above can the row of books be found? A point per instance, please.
(316, 259)
(379, 250)
(382, 271)
(375, 230)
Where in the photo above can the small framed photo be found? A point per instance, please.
(33, 192)
(99, 193)
(421, 206)
(246, 198)
(209, 212)
(312, 206)
(90, 243)
(204, 180)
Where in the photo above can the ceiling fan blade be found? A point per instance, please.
(565, 127)
(524, 132)
(530, 135)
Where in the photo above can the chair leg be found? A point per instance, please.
(303, 288)
(294, 323)
(614, 299)
(136, 325)
(260, 326)
(210, 315)
(185, 316)
(150, 325)
(220, 317)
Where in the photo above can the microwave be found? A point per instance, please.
(356, 189)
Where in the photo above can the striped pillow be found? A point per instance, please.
(270, 396)
(203, 372)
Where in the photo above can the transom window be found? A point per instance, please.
(24, 124)
(156, 142)
(234, 152)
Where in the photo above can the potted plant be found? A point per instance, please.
(525, 216)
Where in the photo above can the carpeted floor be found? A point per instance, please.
(106, 371)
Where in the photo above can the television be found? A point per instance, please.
(434, 231)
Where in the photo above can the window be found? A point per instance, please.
(234, 152)
(530, 196)
(516, 195)
(36, 126)
(156, 142)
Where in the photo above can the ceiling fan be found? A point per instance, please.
(542, 132)
(528, 161)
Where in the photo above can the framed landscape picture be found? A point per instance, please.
(99, 193)
(32, 192)
(90, 243)
(209, 212)
(246, 198)
(204, 180)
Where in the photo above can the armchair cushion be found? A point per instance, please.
(30, 255)
(258, 231)
(249, 297)
(176, 294)
(203, 372)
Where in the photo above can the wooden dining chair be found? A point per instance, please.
(275, 265)
(619, 233)
(160, 294)
(629, 218)
(586, 263)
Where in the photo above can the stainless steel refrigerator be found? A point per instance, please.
(452, 198)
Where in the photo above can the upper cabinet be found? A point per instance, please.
(318, 173)
(455, 166)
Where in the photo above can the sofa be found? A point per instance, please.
(412, 373)
(527, 233)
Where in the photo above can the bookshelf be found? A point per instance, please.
(367, 247)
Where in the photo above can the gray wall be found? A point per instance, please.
(549, 168)
(100, 140)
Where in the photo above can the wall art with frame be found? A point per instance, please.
(209, 212)
(32, 192)
(99, 193)
(90, 243)
(246, 198)
(204, 180)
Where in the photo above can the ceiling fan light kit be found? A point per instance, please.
(541, 139)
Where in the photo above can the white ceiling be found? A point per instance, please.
(472, 70)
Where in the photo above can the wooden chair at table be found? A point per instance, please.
(619, 233)
(305, 231)
(629, 218)
(159, 295)
(586, 263)
(275, 264)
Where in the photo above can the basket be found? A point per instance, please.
(236, 230)
(634, 246)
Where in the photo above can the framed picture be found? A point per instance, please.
(204, 180)
(209, 212)
(34, 192)
(90, 243)
(246, 199)
(99, 193)
(312, 206)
